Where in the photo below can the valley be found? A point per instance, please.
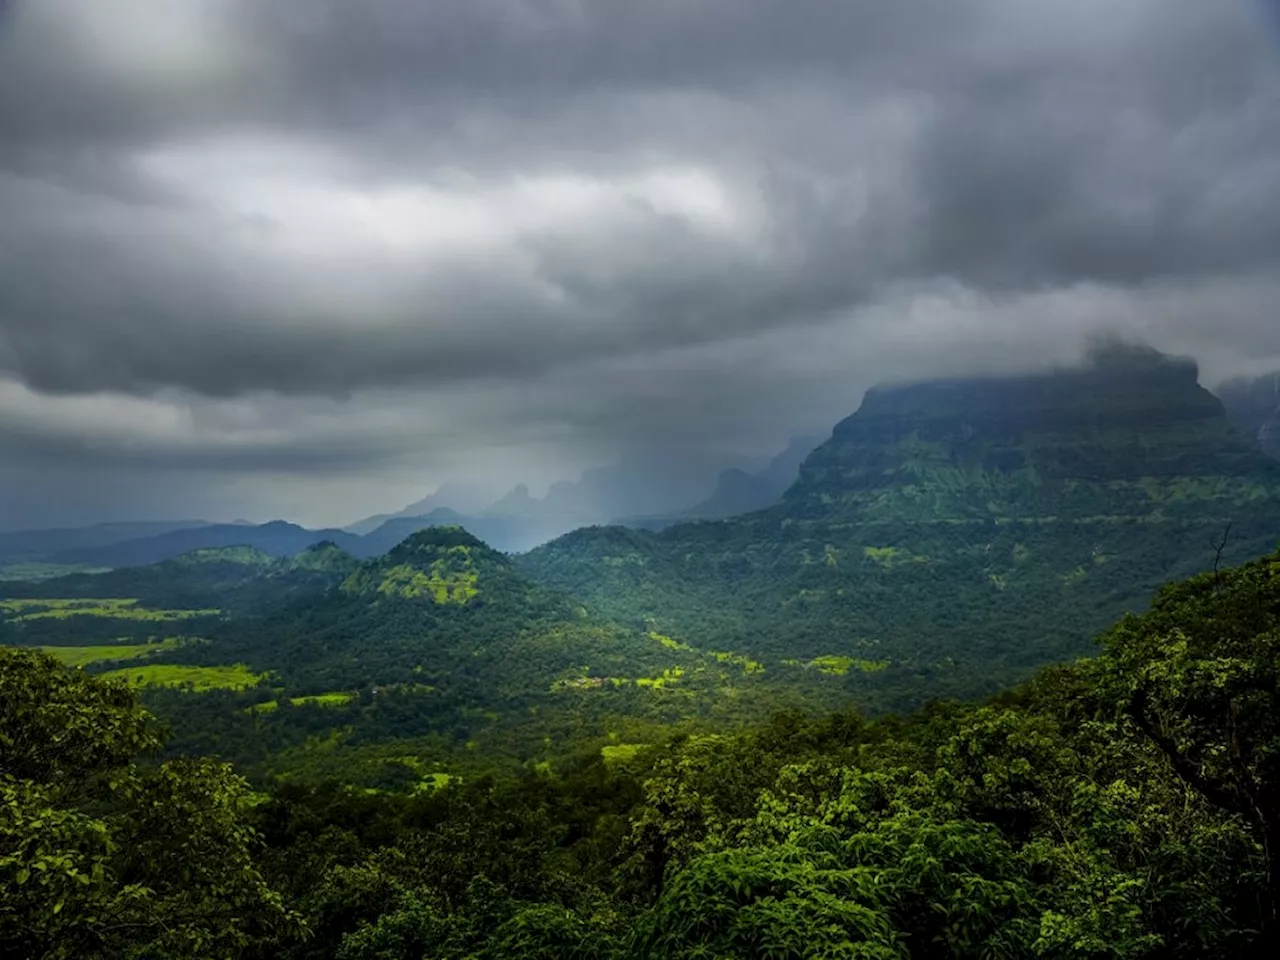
(947, 541)
(620, 729)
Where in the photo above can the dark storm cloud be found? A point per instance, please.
(558, 220)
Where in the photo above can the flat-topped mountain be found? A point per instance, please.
(1001, 520)
(1129, 434)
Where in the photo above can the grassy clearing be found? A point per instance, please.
(434, 781)
(621, 752)
(327, 700)
(668, 642)
(234, 677)
(81, 656)
(889, 557)
(746, 663)
(115, 608)
(35, 570)
(669, 676)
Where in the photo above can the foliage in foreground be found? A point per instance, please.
(100, 858)
(1120, 808)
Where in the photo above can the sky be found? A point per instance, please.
(311, 258)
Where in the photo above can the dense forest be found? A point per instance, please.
(1124, 806)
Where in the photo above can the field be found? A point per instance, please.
(20, 611)
(199, 679)
(35, 570)
(316, 700)
(81, 656)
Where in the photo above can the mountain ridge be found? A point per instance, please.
(943, 519)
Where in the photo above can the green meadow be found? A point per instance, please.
(199, 679)
(329, 700)
(82, 656)
(116, 609)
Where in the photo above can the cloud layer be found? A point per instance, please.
(247, 248)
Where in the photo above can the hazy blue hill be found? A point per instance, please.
(35, 544)
(457, 497)
(958, 532)
(277, 538)
(740, 491)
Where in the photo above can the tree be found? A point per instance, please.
(101, 858)
(1200, 676)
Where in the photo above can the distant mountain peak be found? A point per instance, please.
(517, 502)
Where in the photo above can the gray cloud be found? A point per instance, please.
(395, 239)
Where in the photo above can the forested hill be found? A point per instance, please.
(956, 533)
(1131, 435)
(234, 580)
(442, 657)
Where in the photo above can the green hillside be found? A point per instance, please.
(442, 653)
(962, 531)
(1123, 807)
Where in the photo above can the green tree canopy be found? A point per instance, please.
(101, 858)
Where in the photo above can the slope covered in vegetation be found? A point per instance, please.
(1121, 807)
(442, 657)
(961, 532)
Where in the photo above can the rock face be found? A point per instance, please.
(1254, 407)
(1130, 434)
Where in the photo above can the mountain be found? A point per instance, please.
(662, 483)
(738, 491)
(277, 538)
(34, 544)
(517, 503)
(444, 641)
(954, 534)
(1254, 407)
(459, 497)
(656, 485)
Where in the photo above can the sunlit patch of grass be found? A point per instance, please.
(669, 676)
(620, 752)
(36, 570)
(434, 781)
(326, 700)
(746, 663)
(233, 677)
(835, 666)
(668, 642)
(81, 656)
(112, 608)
